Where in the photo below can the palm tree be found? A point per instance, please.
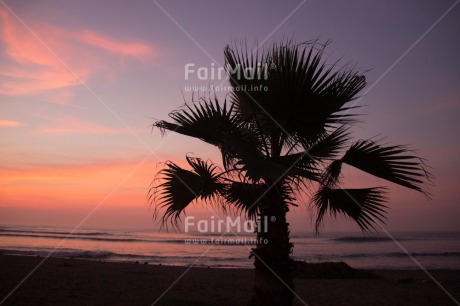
(281, 132)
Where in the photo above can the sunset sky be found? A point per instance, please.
(81, 81)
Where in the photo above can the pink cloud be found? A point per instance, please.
(10, 123)
(69, 125)
(29, 67)
(114, 46)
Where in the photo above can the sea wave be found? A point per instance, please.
(438, 236)
(60, 253)
(62, 232)
(397, 254)
(106, 255)
(365, 239)
(426, 254)
(120, 238)
(71, 236)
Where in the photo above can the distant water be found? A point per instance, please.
(431, 250)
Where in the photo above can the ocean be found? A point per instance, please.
(430, 250)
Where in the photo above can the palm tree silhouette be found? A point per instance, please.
(281, 132)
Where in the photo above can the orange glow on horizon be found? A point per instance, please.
(77, 185)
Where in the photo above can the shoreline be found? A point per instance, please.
(250, 266)
(69, 281)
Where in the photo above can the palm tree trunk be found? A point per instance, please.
(273, 266)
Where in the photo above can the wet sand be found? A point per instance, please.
(60, 281)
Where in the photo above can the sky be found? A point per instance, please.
(82, 81)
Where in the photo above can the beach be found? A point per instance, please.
(67, 281)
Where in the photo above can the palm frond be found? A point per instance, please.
(257, 167)
(300, 164)
(206, 120)
(217, 125)
(245, 197)
(237, 62)
(364, 206)
(329, 145)
(179, 187)
(330, 177)
(392, 163)
(304, 95)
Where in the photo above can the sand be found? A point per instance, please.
(62, 281)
